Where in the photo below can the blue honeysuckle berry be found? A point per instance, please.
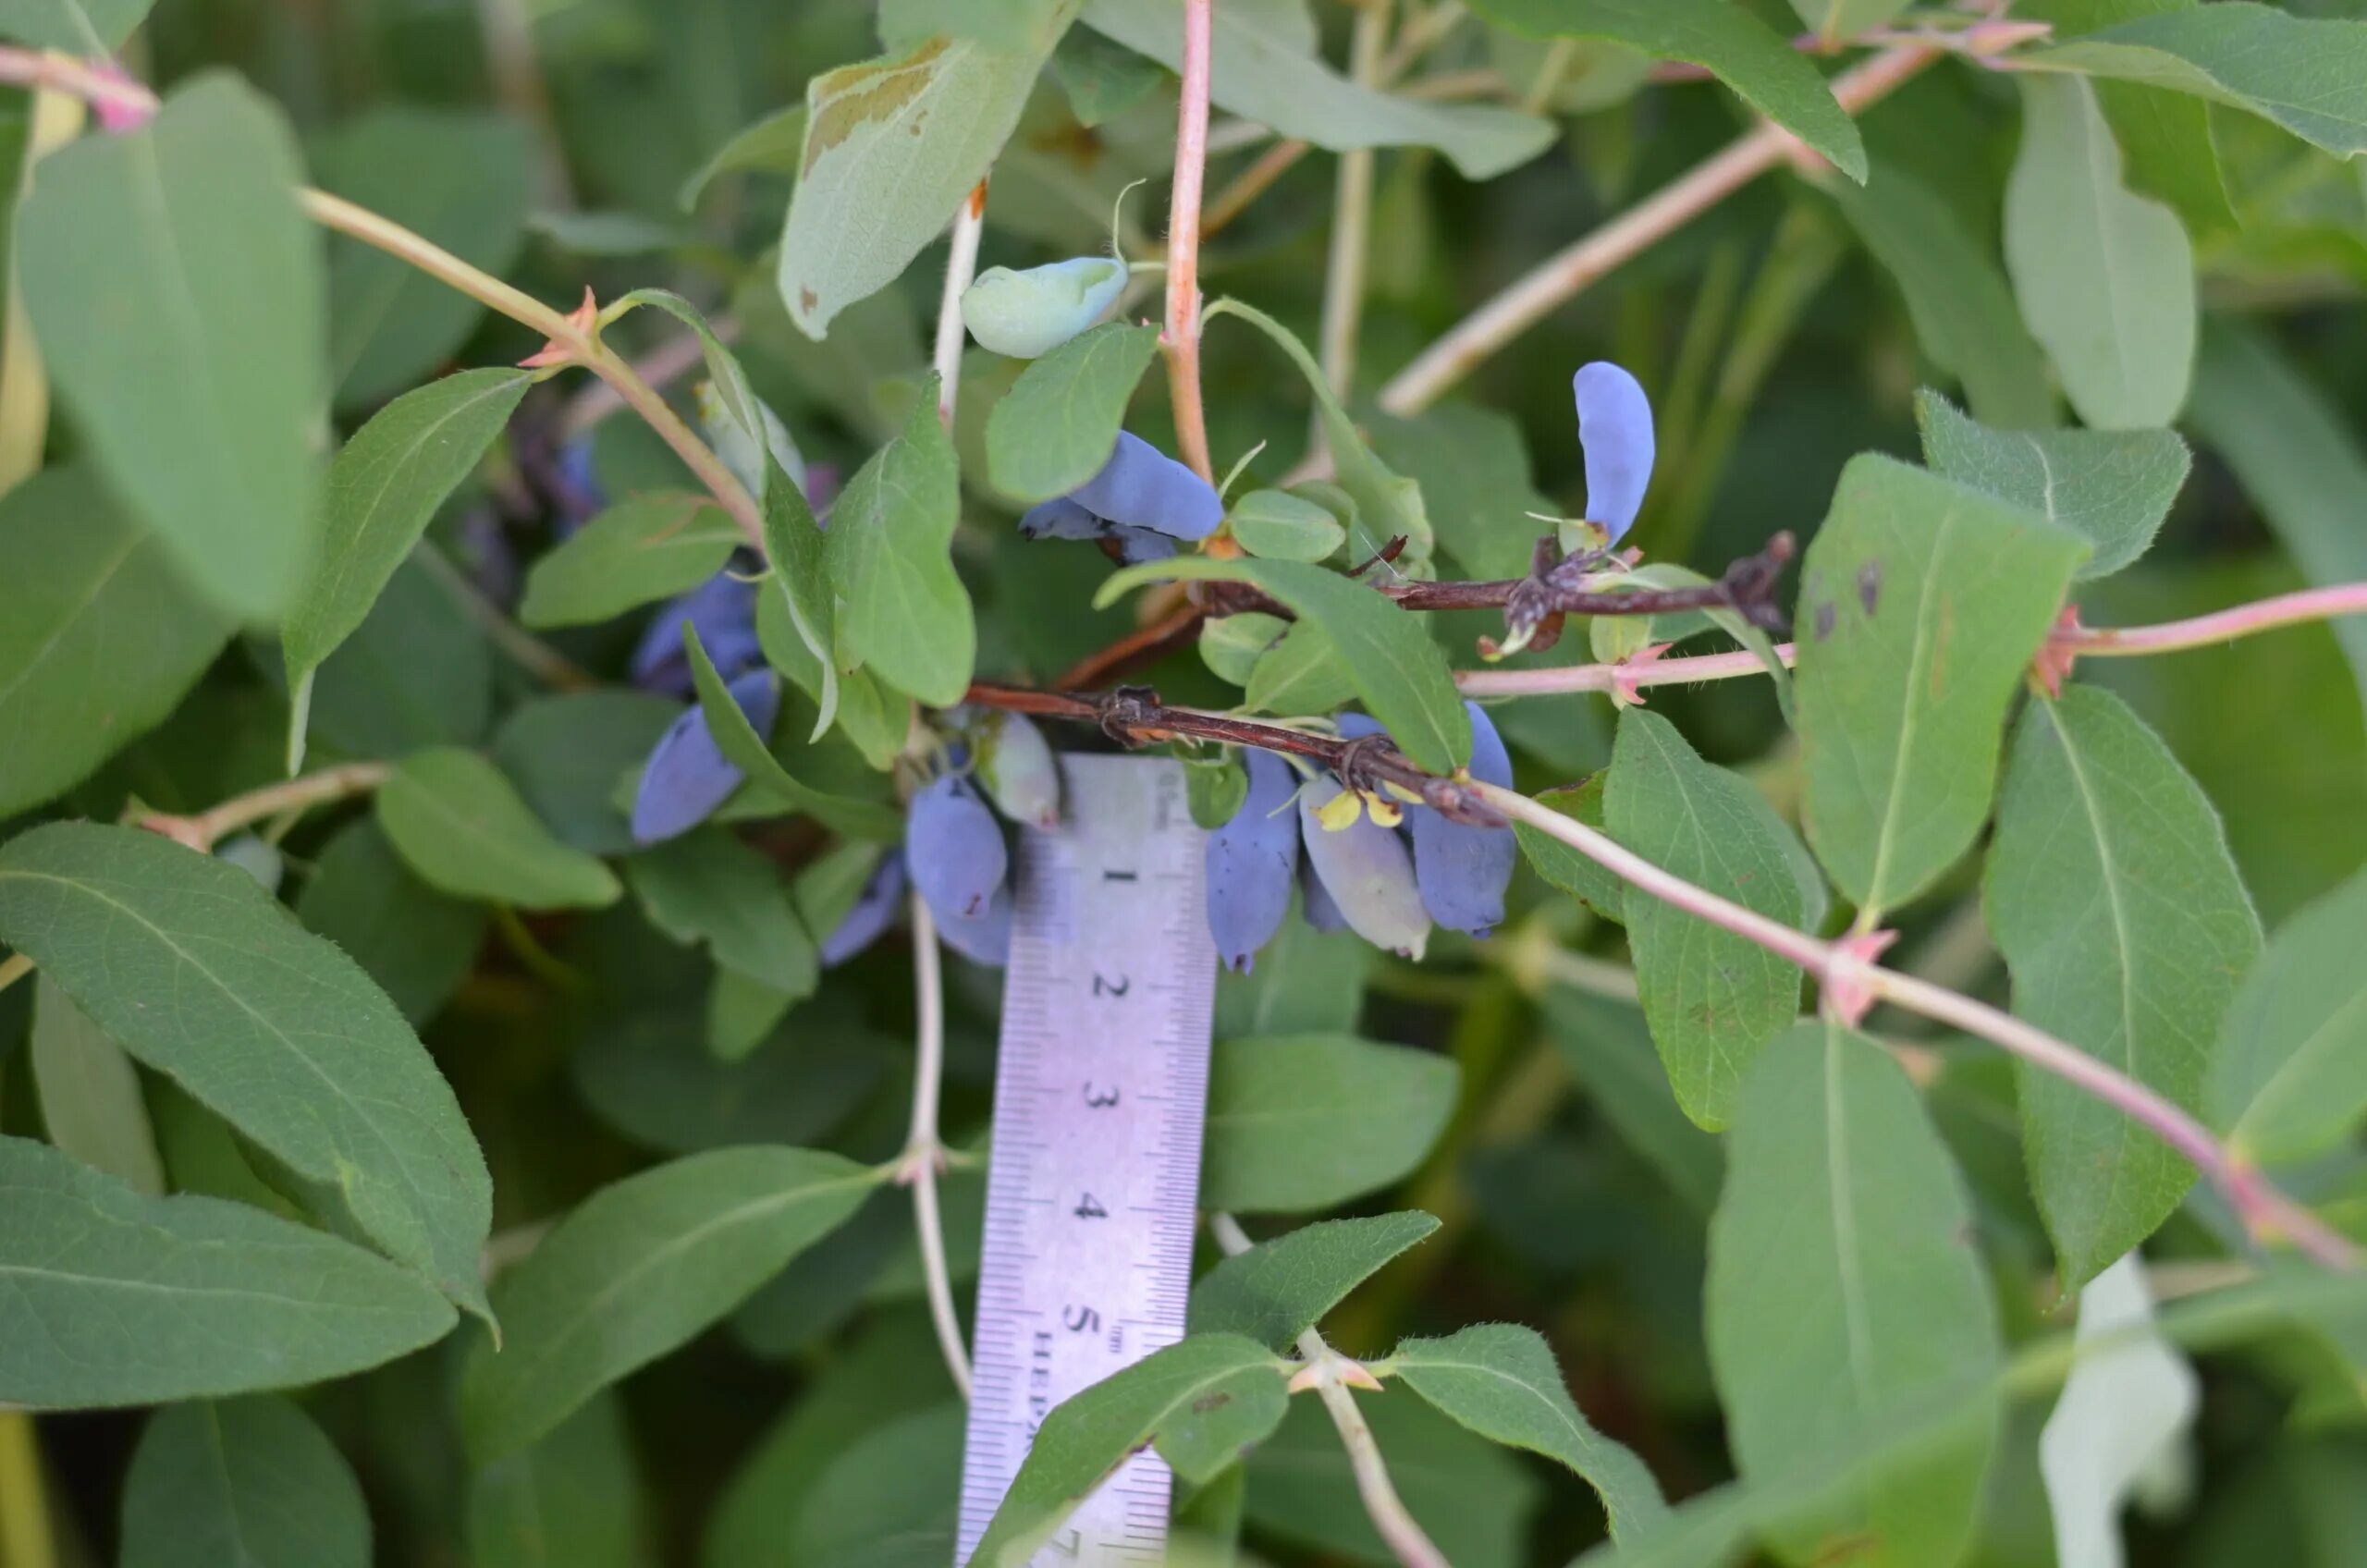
(723, 608)
(1060, 517)
(1463, 871)
(1141, 486)
(1028, 314)
(1315, 902)
(1251, 861)
(1369, 872)
(953, 849)
(875, 910)
(1136, 545)
(984, 938)
(1615, 433)
(687, 776)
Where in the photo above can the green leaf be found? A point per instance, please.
(462, 181)
(1743, 52)
(1202, 1401)
(1713, 998)
(643, 549)
(637, 1269)
(871, 717)
(1921, 604)
(2163, 135)
(1474, 1501)
(1956, 295)
(98, 638)
(2104, 278)
(90, 1094)
(186, 962)
(2289, 1080)
(894, 1497)
(76, 26)
(2306, 75)
(1231, 645)
(1501, 1380)
(1300, 1122)
(1281, 526)
(1278, 1289)
(771, 145)
(565, 754)
(1609, 1052)
(2295, 456)
(1214, 789)
(1303, 674)
(709, 887)
(1580, 875)
(383, 489)
(2112, 488)
(419, 672)
(455, 821)
(741, 747)
(1102, 80)
(416, 943)
(1398, 669)
(2111, 896)
(654, 1077)
(1056, 426)
(1844, 1286)
(1007, 24)
(572, 1500)
(177, 291)
(735, 396)
(892, 147)
(120, 1299)
(1376, 503)
(800, 585)
(1833, 20)
(905, 612)
(1265, 67)
(1310, 982)
(250, 1482)
(1471, 463)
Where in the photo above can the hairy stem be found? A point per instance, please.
(924, 1153)
(1180, 341)
(25, 1539)
(961, 266)
(203, 831)
(2266, 1212)
(1397, 1526)
(1571, 269)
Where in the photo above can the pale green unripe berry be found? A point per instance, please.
(1028, 314)
(1017, 768)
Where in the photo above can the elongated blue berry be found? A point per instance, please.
(1059, 517)
(1615, 432)
(1136, 545)
(1463, 871)
(1251, 861)
(687, 777)
(953, 848)
(1020, 772)
(985, 937)
(1028, 314)
(724, 610)
(1141, 486)
(876, 909)
(1368, 872)
(1315, 903)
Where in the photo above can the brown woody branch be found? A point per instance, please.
(1135, 716)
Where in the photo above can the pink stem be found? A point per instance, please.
(1614, 677)
(2267, 1211)
(1181, 339)
(2264, 615)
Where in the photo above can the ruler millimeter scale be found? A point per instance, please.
(1099, 1093)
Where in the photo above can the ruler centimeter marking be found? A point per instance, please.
(1099, 1093)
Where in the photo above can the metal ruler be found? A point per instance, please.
(1100, 1094)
